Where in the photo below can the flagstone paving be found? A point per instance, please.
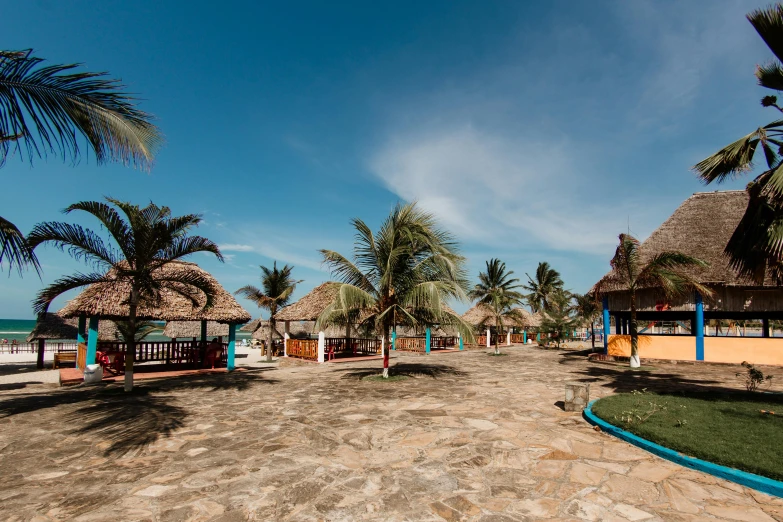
(467, 437)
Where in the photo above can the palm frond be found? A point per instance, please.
(80, 243)
(731, 161)
(48, 294)
(346, 271)
(768, 22)
(49, 106)
(770, 76)
(15, 251)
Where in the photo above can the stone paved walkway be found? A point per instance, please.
(468, 437)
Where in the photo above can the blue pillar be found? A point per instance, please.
(92, 341)
(606, 324)
(394, 337)
(699, 328)
(232, 337)
(524, 336)
(427, 342)
(461, 345)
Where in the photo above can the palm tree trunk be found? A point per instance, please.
(387, 334)
(634, 336)
(497, 336)
(271, 338)
(130, 352)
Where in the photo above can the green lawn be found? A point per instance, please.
(726, 429)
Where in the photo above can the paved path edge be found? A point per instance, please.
(751, 480)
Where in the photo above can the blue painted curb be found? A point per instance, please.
(763, 484)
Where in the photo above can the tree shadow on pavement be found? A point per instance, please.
(405, 369)
(623, 379)
(127, 420)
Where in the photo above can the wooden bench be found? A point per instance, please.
(61, 357)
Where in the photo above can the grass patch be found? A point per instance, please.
(493, 354)
(724, 428)
(379, 378)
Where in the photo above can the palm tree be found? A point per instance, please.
(401, 275)
(756, 247)
(145, 240)
(497, 291)
(666, 270)
(559, 320)
(547, 280)
(278, 286)
(587, 309)
(47, 109)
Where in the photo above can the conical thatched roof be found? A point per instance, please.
(700, 227)
(189, 329)
(260, 329)
(52, 326)
(482, 315)
(107, 301)
(310, 306)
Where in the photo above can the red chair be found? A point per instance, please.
(212, 357)
(330, 354)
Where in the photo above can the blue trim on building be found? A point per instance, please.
(427, 340)
(750, 480)
(92, 341)
(232, 340)
(606, 324)
(699, 328)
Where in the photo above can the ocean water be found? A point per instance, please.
(18, 329)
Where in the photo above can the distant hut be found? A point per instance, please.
(700, 227)
(483, 319)
(191, 329)
(52, 327)
(108, 300)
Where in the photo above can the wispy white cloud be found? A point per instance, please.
(236, 247)
(497, 190)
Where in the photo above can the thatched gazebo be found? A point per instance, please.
(483, 318)
(674, 328)
(108, 300)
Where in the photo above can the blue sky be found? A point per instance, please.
(533, 130)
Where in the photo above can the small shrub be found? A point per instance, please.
(753, 377)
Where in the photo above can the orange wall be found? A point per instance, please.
(756, 350)
(677, 347)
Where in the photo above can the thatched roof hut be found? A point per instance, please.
(296, 329)
(53, 327)
(108, 301)
(480, 315)
(189, 329)
(310, 306)
(700, 227)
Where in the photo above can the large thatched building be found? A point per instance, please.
(674, 328)
(108, 301)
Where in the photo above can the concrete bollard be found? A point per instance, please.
(577, 395)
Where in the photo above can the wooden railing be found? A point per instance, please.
(440, 343)
(33, 347)
(517, 338)
(410, 344)
(352, 346)
(304, 348)
(481, 340)
(180, 352)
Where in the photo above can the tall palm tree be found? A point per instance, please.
(559, 320)
(145, 240)
(756, 247)
(667, 271)
(278, 285)
(47, 109)
(401, 275)
(497, 290)
(547, 280)
(586, 309)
